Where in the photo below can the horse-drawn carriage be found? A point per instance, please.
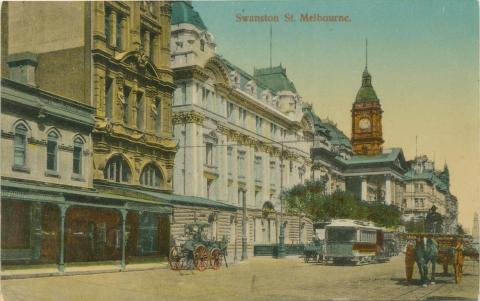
(444, 249)
(313, 252)
(196, 251)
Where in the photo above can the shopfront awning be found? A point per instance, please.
(72, 196)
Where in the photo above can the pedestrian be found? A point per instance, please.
(409, 260)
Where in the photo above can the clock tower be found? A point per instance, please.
(367, 119)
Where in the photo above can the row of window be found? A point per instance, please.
(117, 170)
(20, 150)
(115, 33)
(139, 104)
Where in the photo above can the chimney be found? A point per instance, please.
(22, 67)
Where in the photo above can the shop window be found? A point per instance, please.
(52, 151)
(117, 170)
(77, 156)
(20, 142)
(151, 176)
(15, 225)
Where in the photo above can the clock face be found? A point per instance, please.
(364, 124)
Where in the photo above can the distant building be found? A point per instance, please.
(427, 187)
(475, 229)
(375, 174)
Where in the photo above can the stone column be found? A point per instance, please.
(156, 51)
(191, 173)
(146, 42)
(99, 25)
(123, 28)
(123, 217)
(36, 230)
(61, 264)
(364, 188)
(244, 225)
(388, 190)
(222, 188)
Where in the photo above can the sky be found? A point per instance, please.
(422, 55)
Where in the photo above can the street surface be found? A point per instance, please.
(259, 278)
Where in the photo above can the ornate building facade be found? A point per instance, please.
(241, 137)
(111, 60)
(427, 187)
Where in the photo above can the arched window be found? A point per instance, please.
(52, 150)
(77, 155)
(151, 176)
(117, 170)
(20, 141)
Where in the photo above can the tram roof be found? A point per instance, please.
(350, 223)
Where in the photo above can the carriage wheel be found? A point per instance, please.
(200, 258)
(216, 258)
(306, 258)
(174, 259)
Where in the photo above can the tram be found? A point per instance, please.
(357, 242)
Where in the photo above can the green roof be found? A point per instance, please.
(429, 176)
(335, 135)
(275, 78)
(385, 157)
(183, 12)
(175, 199)
(366, 91)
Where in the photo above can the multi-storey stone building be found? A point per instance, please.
(235, 130)
(427, 187)
(114, 57)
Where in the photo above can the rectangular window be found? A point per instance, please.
(119, 32)
(209, 188)
(139, 105)
(107, 25)
(184, 93)
(229, 159)
(209, 154)
(20, 143)
(230, 109)
(258, 123)
(258, 168)
(108, 97)
(152, 48)
(77, 159)
(126, 101)
(52, 155)
(241, 164)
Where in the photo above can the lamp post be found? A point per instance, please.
(244, 227)
(281, 238)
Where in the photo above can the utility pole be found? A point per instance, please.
(281, 238)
